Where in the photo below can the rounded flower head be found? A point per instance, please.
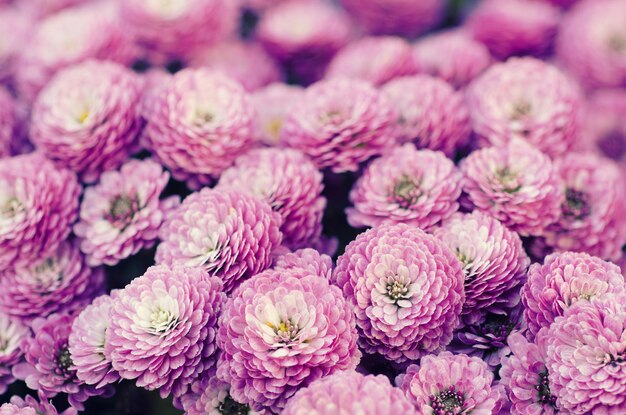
(340, 123)
(406, 185)
(452, 56)
(229, 234)
(162, 328)
(198, 122)
(515, 27)
(30, 406)
(448, 384)
(306, 259)
(563, 280)
(394, 58)
(396, 17)
(88, 117)
(38, 204)
(406, 288)
(280, 331)
(592, 216)
(493, 259)
(12, 336)
(592, 43)
(15, 29)
(290, 183)
(348, 392)
(516, 184)
(273, 104)
(525, 98)
(213, 398)
(122, 214)
(430, 113)
(55, 283)
(586, 350)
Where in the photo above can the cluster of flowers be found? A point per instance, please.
(484, 165)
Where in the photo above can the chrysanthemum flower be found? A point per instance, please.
(563, 280)
(307, 259)
(15, 28)
(394, 58)
(406, 185)
(122, 214)
(198, 122)
(31, 406)
(273, 105)
(88, 117)
(290, 183)
(349, 392)
(163, 327)
(431, 113)
(446, 384)
(525, 98)
(406, 288)
(229, 234)
(12, 336)
(341, 123)
(38, 204)
(213, 398)
(280, 331)
(516, 184)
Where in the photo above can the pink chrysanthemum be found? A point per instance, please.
(406, 288)
(229, 234)
(431, 113)
(38, 204)
(122, 214)
(563, 280)
(12, 336)
(341, 123)
(515, 27)
(396, 17)
(525, 98)
(592, 43)
(88, 117)
(306, 259)
(273, 105)
(406, 185)
(213, 398)
(280, 331)
(586, 357)
(516, 184)
(290, 183)
(592, 215)
(452, 56)
(30, 406)
(350, 392)
(394, 58)
(163, 327)
(450, 384)
(198, 122)
(15, 29)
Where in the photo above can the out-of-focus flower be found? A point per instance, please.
(198, 122)
(15, 29)
(12, 336)
(406, 185)
(31, 406)
(300, 329)
(406, 289)
(306, 259)
(273, 105)
(213, 398)
(122, 214)
(51, 284)
(393, 58)
(88, 117)
(229, 234)
(163, 326)
(430, 113)
(349, 392)
(525, 98)
(40, 9)
(38, 204)
(563, 280)
(516, 184)
(341, 123)
(8, 122)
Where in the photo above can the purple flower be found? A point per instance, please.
(163, 326)
(307, 259)
(229, 234)
(431, 113)
(280, 331)
(12, 336)
(290, 183)
(406, 185)
(30, 406)
(88, 117)
(349, 392)
(122, 214)
(525, 98)
(273, 105)
(191, 109)
(516, 184)
(406, 288)
(38, 204)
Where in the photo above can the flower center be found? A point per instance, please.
(64, 361)
(576, 206)
(11, 208)
(162, 321)
(613, 145)
(543, 388)
(508, 179)
(286, 332)
(332, 117)
(122, 210)
(617, 43)
(448, 402)
(406, 192)
(231, 407)
(520, 110)
(397, 290)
